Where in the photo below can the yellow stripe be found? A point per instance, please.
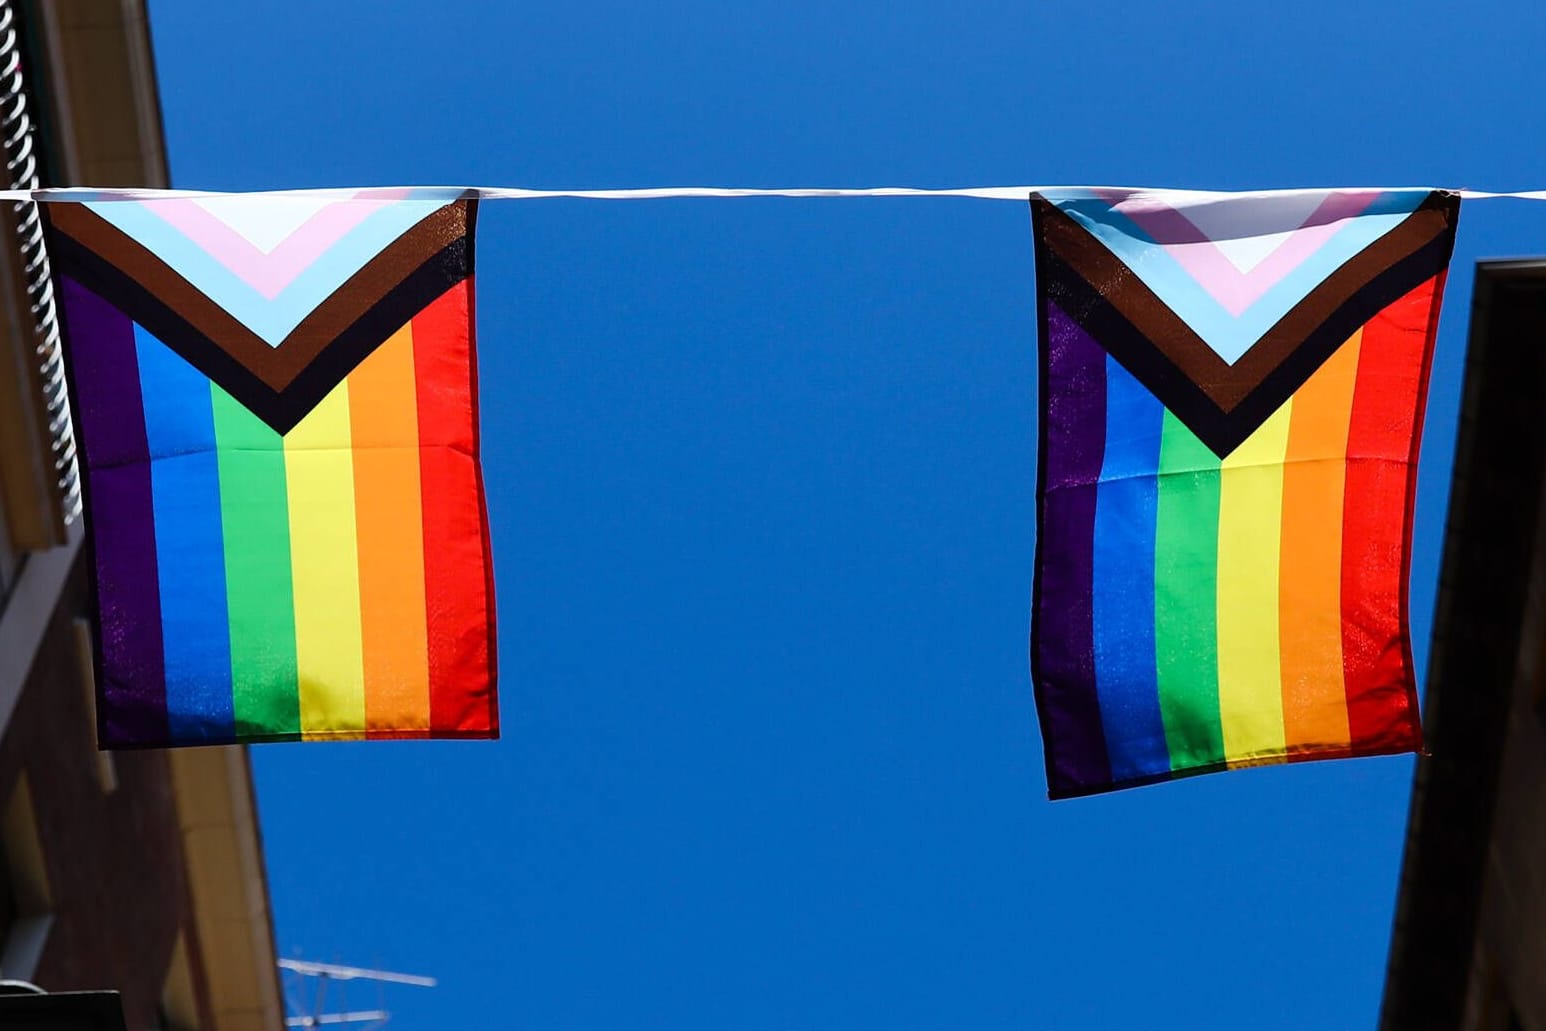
(1250, 525)
(319, 474)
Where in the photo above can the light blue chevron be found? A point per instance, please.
(1230, 336)
(270, 320)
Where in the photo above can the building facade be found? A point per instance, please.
(1469, 945)
(140, 872)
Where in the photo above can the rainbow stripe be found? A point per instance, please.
(1194, 613)
(329, 582)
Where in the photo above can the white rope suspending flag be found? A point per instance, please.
(450, 193)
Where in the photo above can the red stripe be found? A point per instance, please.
(458, 573)
(1383, 441)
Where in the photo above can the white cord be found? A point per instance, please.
(450, 193)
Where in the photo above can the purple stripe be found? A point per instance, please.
(1063, 637)
(111, 420)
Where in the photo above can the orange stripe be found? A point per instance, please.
(458, 580)
(1310, 575)
(383, 408)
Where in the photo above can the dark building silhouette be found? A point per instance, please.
(1469, 946)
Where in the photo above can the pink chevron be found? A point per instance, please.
(268, 273)
(1235, 290)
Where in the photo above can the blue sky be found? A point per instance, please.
(761, 481)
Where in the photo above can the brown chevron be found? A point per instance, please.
(1224, 403)
(278, 384)
(275, 366)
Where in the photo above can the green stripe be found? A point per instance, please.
(1186, 598)
(256, 518)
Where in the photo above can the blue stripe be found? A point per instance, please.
(185, 488)
(1126, 506)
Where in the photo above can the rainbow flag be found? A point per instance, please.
(275, 404)
(1232, 390)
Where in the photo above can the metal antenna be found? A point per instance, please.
(313, 1015)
